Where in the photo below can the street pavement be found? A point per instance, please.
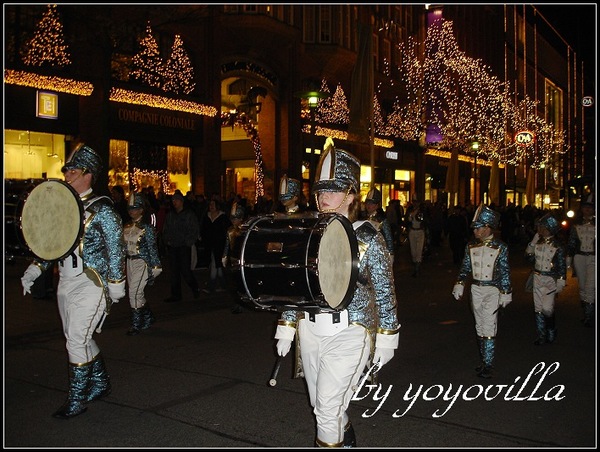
(198, 378)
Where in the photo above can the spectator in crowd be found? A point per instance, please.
(180, 233)
(118, 196)
(213, 236)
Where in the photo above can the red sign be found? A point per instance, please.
(524, 137)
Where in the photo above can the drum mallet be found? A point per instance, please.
(273, 379)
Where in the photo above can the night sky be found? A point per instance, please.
(577, 24)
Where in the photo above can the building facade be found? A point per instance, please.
(247, 121)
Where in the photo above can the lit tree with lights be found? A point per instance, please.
(378, 121)
(462, 99)
(47, 47)
(334, 109)
(147, 63)
(179, 73)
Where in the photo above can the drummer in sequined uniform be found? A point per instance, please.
(90, 279)
(334, 355)
(290, 195)
(143, 262)
(486, 262)
(550, 272)
(376, 215)
(581, 250)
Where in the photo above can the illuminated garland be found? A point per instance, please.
(51, 83)
(151, 100)
(162, 175)
(243, 121)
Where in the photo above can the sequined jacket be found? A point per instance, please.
(381, 222)
(140, 240)
(486, 261)
(101, 245)
(374, 302)
(549, 257)
(582, 238)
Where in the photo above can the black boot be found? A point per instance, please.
(99, 380)
(588, 312)
(489, 349)
(417, 267)
(540, 326)
(147, 318)
(136, 321)
(479, 368)
(550, 329)
(79, 380)
(349, 436)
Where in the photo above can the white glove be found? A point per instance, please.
(385, 345)
(383, 355)
(224, 261)
(531, 245)
(505, 299)
(285, 334)
(560, 285)
(156, 272)
(31, 274)
(116, 291)
(569, 261)
(457, 291)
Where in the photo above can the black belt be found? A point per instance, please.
(584, 253)
(134, 257)
(482, 283)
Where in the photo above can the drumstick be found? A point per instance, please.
(273, 380)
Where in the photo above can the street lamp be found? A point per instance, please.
(312, 98)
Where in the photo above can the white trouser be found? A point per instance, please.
(585, 269)
(81, 304)
(333, 366)
(485, 301)
(544, 294)
(416, 238)
(137, 278)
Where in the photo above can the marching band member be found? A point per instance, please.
(143, 262)
(290, 196)
(581, 248)
(334, 353)
(90, 279)
(550, 274)
(417, 234)
(486, 261)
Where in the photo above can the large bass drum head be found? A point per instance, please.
(338, 263)
(51, 221)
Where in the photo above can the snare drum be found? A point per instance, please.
(52, 220)
(302, 263)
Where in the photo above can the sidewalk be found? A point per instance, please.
(198, 377)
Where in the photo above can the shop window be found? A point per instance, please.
(33, 155)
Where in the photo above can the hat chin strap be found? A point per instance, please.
(335, 208)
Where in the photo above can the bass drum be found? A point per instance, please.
(52, 220)
(300, 263)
